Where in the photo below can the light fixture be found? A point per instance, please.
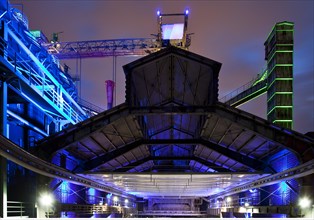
(46, 199)
(252, 190)
(158, 13)
(304, 202)
(126, 201)
(246, 204)
(186, 11)
(115, 198)
(229, 199)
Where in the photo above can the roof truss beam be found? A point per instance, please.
(146, 159)
(295, 142)
(245, 160)
(94, 163)
(61, 140)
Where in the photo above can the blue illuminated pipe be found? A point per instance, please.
(27, 123)
(47, 73)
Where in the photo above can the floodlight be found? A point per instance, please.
(115, 198)
(229, 199)
(186, 11)
(46, 199)
(305, 202)
(158, 13)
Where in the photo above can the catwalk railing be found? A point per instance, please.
(39, 79)
(90, 209)
(17, 209)
(171, 213)
(89, 108)
(248, 91)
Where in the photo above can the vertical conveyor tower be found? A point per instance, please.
(279, 57)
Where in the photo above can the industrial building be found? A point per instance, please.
(172, 149)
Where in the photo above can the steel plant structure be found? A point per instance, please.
(172, 149)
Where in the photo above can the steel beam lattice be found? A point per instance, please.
(102, 48)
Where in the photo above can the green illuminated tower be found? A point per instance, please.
(279, 57)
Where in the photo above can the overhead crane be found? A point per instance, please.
(168, 34)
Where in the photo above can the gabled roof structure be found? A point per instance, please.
(172, 129)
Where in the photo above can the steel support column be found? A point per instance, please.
(3, 161)
(3, 128)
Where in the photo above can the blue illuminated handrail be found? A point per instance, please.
(40, 81)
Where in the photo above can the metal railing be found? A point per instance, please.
(21, 209)
(90, 107)
(44, 85)
(243, 88)
(91, 209)
(172, 213)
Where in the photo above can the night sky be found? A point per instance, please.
(230, 32)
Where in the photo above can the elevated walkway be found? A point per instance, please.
(247, 92)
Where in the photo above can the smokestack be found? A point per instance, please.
(110, 91)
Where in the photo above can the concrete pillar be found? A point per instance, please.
(3, 161)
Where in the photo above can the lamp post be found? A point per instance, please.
(115, 201)
(228, 200)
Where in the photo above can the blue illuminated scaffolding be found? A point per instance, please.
(38, 72)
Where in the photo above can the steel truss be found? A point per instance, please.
(302, 170)
(103, 48)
